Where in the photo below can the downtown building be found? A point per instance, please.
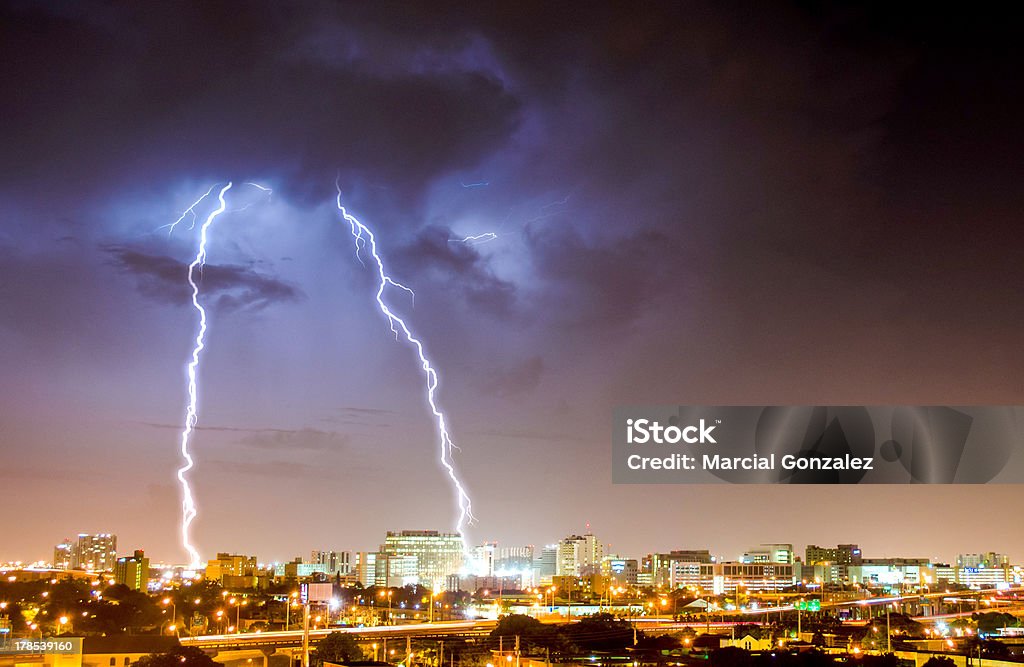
(133, 571)
(545, 564)
(63, 555)
(984, 570)
(337, 562)
(428, 556)
(91, 552)
(579, 556)
(728, 578)
(769, 553)
(657, 569)
(830, 565)
(236, 571)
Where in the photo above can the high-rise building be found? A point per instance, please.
(366, 568)
(483, 559)
(513, 558)
(63, 555)
(394, 571)
(579, 555)
(95, 553)
(133, 571)
(337, 562)
(546, 564)
(437, 554)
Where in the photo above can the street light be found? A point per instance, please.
(433, 593)
(238, 611)
(389, 593)
(289, 603)
(174, 611)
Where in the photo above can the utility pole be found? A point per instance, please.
(517, 650)
(305, 634)
(440, 655)
(408, 651)
(888, 634)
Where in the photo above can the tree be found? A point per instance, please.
(940, 661)
(601, 632)
(989, 623)
(179, 656)
(337, 647)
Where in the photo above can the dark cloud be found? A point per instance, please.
(302, 439)
(437, 252)
(604, 286)
(232, 286)
(215, 93)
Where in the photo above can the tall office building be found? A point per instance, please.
(518, 559)
(545, 564)
(483, 559)
(366, 567)
(438, 555)
(63, 555)
(133, 571)
(337, 562)
(579, 555)
(95, 552)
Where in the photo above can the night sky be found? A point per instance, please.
(694, 203)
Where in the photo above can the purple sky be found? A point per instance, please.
(694, 203)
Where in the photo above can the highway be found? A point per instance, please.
(293, 638)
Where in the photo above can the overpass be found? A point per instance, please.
(262, 645)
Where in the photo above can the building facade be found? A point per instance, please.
(579, 555)
(133, 571)
(96, 553)
(437, 554)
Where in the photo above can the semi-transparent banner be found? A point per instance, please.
(874, 444)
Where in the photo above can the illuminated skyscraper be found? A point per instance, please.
(579, 555)
(437, 554)
(63, 555)
(95, 552)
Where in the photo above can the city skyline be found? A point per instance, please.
(680, 205)
(798, 549)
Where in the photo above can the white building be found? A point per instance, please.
(579, 555)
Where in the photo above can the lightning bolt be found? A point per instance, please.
(191, 210)
(476, 239)
(188, 505)
(364, 239)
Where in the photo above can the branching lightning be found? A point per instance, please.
(188, 505)
(364, 239)
(476, 239)
(191, 210)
